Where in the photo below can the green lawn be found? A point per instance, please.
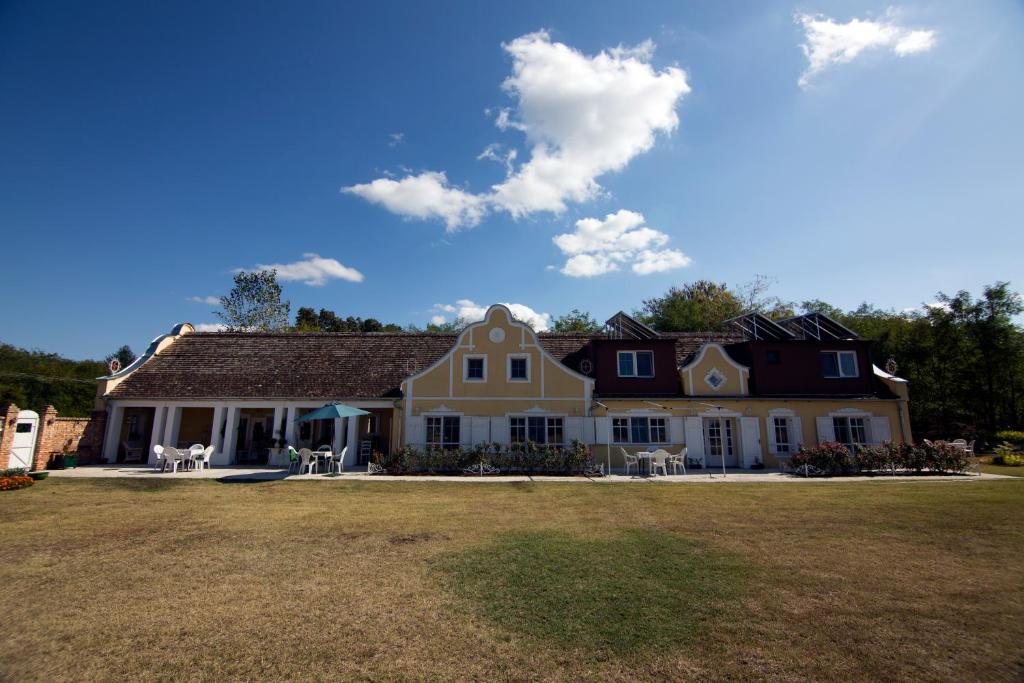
(128, 579)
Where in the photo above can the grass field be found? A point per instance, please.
(120, 579)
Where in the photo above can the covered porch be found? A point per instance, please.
(242, 433)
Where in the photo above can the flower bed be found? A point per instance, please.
(490, 458)
(835, 459)
(12, 480)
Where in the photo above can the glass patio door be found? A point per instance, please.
(720, 441)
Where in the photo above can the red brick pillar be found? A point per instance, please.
(43, 445)
(9, 414)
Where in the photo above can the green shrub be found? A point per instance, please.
(1006, 455)
(1012, 435)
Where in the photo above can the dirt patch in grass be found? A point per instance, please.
(635, 591)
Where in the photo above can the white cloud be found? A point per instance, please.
(600, 246)
(314, 270)
(829, 42)
(425, 195)
(208, 300)
(395, 139)
(469, 311)
(209, 327)
(583, 116)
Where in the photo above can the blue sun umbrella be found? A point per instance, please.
(332, 411)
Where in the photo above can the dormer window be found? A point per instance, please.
(836, 364)
(636, 363)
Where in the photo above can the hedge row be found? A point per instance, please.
(835, 459)
(528, 458)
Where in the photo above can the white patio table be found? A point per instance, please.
(642, 458)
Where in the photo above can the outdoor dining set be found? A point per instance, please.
(649, 462)
(195, 457)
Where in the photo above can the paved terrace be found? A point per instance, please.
(240, 474)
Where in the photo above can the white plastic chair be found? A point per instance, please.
(630, 460)
(204, 458)
(172, 457)
(678, 461)
(158, 450)
(307, 461)
(195, 451)
(339, 461)
(659, 461)
(325, 453)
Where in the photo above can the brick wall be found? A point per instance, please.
(82, 435)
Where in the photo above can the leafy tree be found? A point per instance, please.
(754, 298)
(254, 304)
(576, 321)
(695, 307)
(124, 355)
(306, 320)
(33, 379)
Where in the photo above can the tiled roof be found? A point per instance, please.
(206, 365)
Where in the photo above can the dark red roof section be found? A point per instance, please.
(207, 365)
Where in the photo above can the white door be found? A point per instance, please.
(750, 440)
(24, 446)
(720, 442)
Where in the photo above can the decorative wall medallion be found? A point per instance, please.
(714, 379)
(496, 335)
(586, 366)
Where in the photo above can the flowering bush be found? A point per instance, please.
(15, 482)
(1006, 455)
(835, 459)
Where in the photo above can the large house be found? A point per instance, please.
(747, 396)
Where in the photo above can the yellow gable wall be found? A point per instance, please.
(710, 357)
(551, 385)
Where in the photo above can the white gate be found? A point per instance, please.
(24, 446)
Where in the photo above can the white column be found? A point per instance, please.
(276, 430)
(113, 437)
(227, 454)
(353, 444)
(171, 425)
(157, 437)
(338, 441)
(289, 427)
(218, 421)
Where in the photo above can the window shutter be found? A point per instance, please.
(481, 430)
(465, 431)
(676, 430)
(695, 438)
(769, 423)
(499, 430)
(825, 430)
(601, 426)
(796, 436)
(573, 429)
(880, 432)
(751, 435)
(588, 431)
(414, 431)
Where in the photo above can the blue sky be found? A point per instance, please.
(147, 150)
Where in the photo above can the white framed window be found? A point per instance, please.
(783, 430)
(518, 369)
(850, 431)
(474, 368)
(523, 428)
(442, 431)
(636, 363)
(836, 364)
(719, 441)
(640, 430)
